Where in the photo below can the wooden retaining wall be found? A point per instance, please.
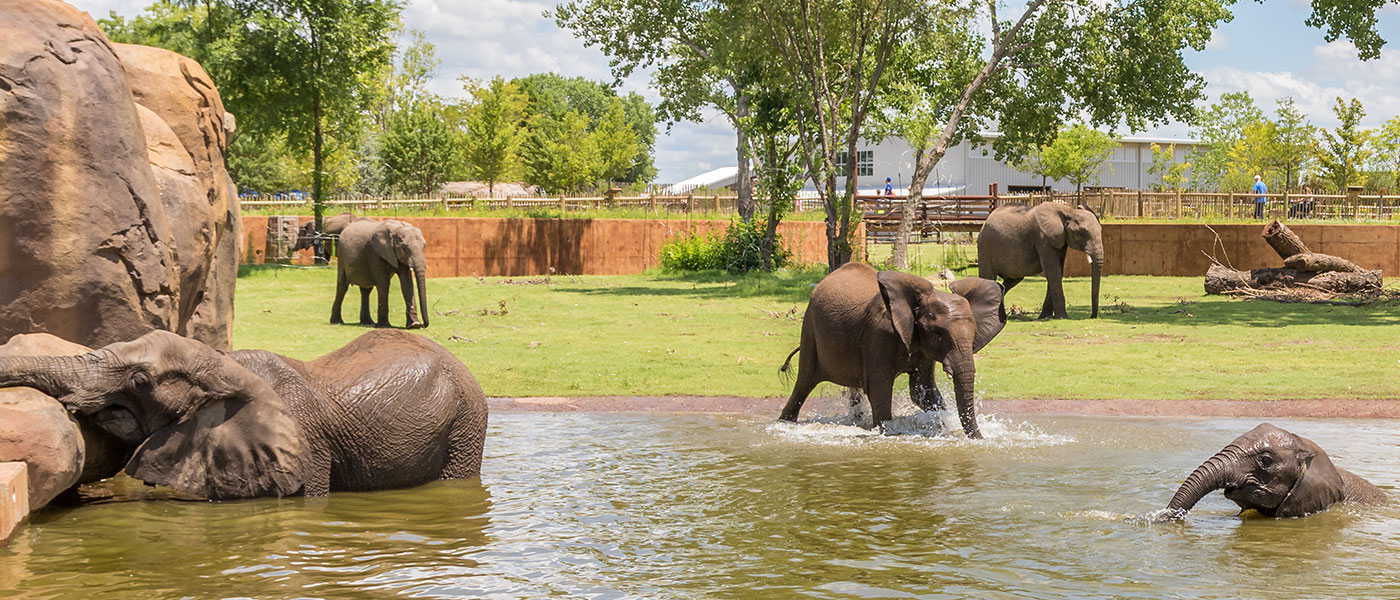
(466, 247)
(1178, 249)
(14, 497)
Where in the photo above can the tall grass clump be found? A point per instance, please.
(739, 250)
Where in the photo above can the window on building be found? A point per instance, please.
(865, 162)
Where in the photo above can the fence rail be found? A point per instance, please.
(682, 203)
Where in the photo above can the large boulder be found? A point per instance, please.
(111, 223)
(36, 430)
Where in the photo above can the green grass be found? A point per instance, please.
(522, 213)
(712, 334)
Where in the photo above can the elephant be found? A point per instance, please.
(389, 409)
(1277, 473)
(1018, 241)
(371, 253)
(863, 328)
(331, 227)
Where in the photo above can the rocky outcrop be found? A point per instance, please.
(117, 214)
(35, 429)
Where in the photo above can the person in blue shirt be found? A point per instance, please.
(1259, 200)
(889, 188)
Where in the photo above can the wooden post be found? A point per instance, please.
(563, 206)
(14, 496)
(1230, 207)
(689, 203)
(444, 203)
(1178, 204)
(1139, 202)
(510, 202)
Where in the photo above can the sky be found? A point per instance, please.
(1266, 50)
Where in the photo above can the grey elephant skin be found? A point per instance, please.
(390, 409)
(1277, 473)
(863, 328)
(371, 253)
(1018, 241)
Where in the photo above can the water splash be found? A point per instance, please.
(1156, 517)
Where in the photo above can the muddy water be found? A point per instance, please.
(627, 506)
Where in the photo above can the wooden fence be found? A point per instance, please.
(654, 203)
(1138, 204)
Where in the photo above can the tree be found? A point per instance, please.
(1252, 154)
(418, 148)
(1217, 129)
(1078, 154)
(1294, 138)
(1385, 141)
(1345, 148)
(1170, 173)
(560, 155)
(699, 50)
(312, 56)
(553, 95)
(616, 144)
(494, 131)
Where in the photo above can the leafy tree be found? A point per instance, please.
(773, 135)
(1252, 154)
(1344, 149)
(616, 143)
(494, 131)
(1170, 173)
(552, 95)
(1218, 128)
(418, 148)
(308, 58)
(1077, 155)
(560, 155)
(1386, 143)
(1294, 138)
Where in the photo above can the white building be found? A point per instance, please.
(971, 170)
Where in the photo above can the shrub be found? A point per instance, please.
(739, 250)
(691, 253)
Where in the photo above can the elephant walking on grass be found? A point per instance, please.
(1276, 473)
(371, 253)
(390, 409)
(1018, 241)
(862, 329)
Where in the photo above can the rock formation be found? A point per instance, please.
(35, 429)
(118, 216)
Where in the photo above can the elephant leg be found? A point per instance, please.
(318, 476)
(341, 285)
(1009, 282)
(1052, 261)
(364, 307)
(923, 390)
(383, 288)
(880, 391)
(406, 285)
(808, 376)
(463, 452)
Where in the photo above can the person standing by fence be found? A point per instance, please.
(1259, 190)
(889, 187)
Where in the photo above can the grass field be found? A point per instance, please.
(712, 334)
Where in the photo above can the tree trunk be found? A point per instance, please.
(906, 215)
(1321, 263)
(1220, 280)
(1283, 240)
(317, 203)
(744, 183)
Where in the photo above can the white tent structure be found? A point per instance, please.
(722, 177)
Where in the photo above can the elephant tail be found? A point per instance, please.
(787, 363)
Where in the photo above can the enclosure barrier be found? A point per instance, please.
(14, 496)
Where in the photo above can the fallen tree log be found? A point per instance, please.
(1221, 280)
(1321, 263)
(1283, 240)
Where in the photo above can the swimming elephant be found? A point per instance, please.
(1018, 241)
(1276, 473)
(863, 328)
(389, 409)
(371, 253)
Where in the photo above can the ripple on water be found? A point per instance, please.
(933, 428)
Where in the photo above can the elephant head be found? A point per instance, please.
(400, 245)
(1062, 225)
(199, 422)
(945, 327)
(1269, 470)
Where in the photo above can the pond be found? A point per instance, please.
(596, 505)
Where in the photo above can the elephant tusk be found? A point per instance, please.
(1088, 259)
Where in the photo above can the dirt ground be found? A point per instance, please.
(1338, 408)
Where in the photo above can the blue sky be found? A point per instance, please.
(1266, 50)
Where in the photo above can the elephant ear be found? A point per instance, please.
(1051, 225)
(985, 297)
(901, 293)
(385, 242)
(1320, 484)
(240, 442)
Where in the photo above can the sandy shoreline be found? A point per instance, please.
(1354, 408)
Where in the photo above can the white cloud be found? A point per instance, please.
(1335, 71)
(1219, 40)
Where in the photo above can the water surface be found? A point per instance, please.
(700, 506)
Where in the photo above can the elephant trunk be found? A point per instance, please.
(52, 375)
(1096, 271)
(964, 374)
(1212, 475)
(420, 275)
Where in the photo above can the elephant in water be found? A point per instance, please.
(1018, 241)
(390, 409)
(1276, 473)
(863, 328)
(371, 253)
